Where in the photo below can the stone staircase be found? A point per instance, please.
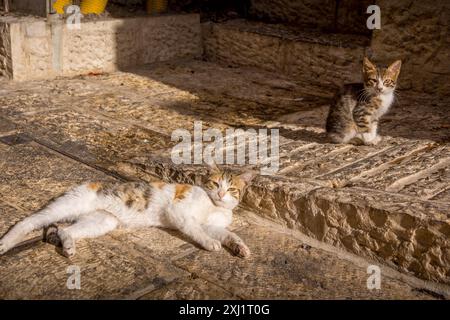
(324, 59)
(389, 203)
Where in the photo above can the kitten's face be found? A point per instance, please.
(380, 80)
(225, 188)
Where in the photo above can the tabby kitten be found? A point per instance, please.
(203, 214)
(353, 117)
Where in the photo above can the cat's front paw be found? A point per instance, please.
(212, 245)
(373, 142)
(377, 140)
(69, 251)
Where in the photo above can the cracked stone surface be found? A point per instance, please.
(389, 203)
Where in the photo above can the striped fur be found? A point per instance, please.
(356, 109)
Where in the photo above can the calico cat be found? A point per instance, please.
(353, 117)
(203, 214)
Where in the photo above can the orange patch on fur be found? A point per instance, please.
(181, 190)
(158, 184)
(94, 186)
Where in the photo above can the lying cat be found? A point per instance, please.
(354, 115)
(203, 214)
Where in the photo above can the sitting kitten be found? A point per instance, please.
(354, 115)
(98, 208)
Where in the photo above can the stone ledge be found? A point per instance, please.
(403, 232)
(100, 121)
(32, 48)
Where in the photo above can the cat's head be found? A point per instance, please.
(380, 80)
(226, 188)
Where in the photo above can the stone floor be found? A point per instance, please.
(388, 203)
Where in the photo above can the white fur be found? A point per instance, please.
(386, 94)
(387, 98)
(196, 215)
(371, 137)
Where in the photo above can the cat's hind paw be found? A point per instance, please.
(3, 248)
(241, 250)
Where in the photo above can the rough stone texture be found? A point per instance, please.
(191, 288)
(328, 15)
(352, 16)
(380, 202)
(379, 225)
(41, 49)
(285, 269)
(5, 51)
(31, 49)
(35, 7)
(107, 271)
(322, 59)
(25, 168)
(317, 14)
(161, 264)
(418, 33)
(9, 215)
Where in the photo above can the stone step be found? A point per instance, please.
(153, 263)
(122, 122)
(320, 58)
(404, 232)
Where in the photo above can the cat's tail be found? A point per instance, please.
(69, 206)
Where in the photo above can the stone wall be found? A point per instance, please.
(319, 59)
(31, 50)
(35, 7)
(335, 15)
(418, 33)
(41, 49)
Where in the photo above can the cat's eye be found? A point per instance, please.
(372, 82)
(388, 83)
(232, 189)
(214, 184)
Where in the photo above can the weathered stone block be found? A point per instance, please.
(5, 50)
(41, 50)
(313, 13)
(326, 60)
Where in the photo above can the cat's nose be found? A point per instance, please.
(221, 194)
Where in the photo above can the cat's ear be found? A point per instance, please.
(213, 166)
(394, 69)
(368, 66)
(247, 176)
